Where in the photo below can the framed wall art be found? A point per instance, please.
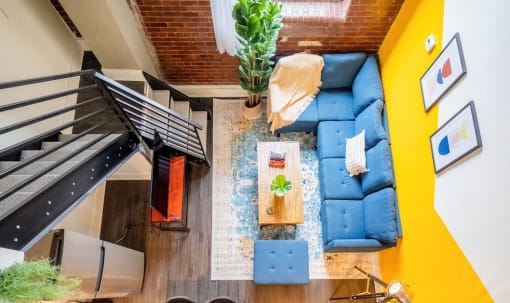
(456, 139)
(444, 72)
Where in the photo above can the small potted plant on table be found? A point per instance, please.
(280, 186)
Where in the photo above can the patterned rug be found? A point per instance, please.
(234, 209)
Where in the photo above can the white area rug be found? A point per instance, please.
(234, 209)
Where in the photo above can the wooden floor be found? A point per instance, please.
(178, 264)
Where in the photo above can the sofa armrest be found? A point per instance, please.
(353, 245)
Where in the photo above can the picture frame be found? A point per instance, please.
(446, 70)
(456, 138)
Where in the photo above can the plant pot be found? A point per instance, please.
(252, 113)
(278, 198)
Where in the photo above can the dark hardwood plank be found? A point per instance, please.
(125, 213)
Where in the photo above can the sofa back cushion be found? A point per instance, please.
(367, 86)
(340, 69)
(370, 119)
(380, 216)
(380, 168)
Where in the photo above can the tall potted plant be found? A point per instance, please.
(257, 24)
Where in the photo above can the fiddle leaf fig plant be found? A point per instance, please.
(280, 185)
(257, 24)
(34, 281)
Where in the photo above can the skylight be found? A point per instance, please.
(315, 9)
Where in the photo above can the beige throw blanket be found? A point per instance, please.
(293, 84)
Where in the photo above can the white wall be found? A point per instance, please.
(34, 43)
(473, 197)
(112, 33)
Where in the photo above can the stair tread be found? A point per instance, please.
(37, 166)
(87, 137)
(182, 107)
(162, 97)
(73, 145)
(13, 202)
(57, 155)
(11, 180)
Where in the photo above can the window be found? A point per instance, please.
(315, 9)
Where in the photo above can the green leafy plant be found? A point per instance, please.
(34, 281)
(280, 185)
(257, 24)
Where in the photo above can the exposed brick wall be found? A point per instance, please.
(182, 34)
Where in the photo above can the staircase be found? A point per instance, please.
(184, 109)
(45, 174)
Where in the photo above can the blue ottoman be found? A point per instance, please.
(281, 262)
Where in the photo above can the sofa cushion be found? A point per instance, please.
(339, 69)
(380, 215)
(335, 182)
(367, 86)
(342, 219)
(331, 137)
(370, 119)
(380, 166)
(280, 262)
(306, 122)
(355, 160)
(335, 104)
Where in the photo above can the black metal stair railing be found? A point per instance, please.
(149, 117)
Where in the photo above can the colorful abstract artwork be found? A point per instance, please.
(456, 139)
(446, 70)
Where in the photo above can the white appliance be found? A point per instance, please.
(107, 270)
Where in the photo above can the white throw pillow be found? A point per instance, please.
(355, 160)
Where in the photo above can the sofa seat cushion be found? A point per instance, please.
(380, 216)
(306, 122)
(280, 262)
(379, 163)
(335, 182)
(342, 219)
(335, 104)
(331, 138)
(340, 69)
(370, 120)
(367, 86)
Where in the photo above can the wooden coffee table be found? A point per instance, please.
(272, 210)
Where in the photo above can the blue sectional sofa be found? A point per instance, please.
(360, 213)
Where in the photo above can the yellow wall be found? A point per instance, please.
(427, 257)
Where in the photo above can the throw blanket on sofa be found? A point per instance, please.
(293, 84)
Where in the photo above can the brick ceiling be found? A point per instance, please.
(182, 34)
